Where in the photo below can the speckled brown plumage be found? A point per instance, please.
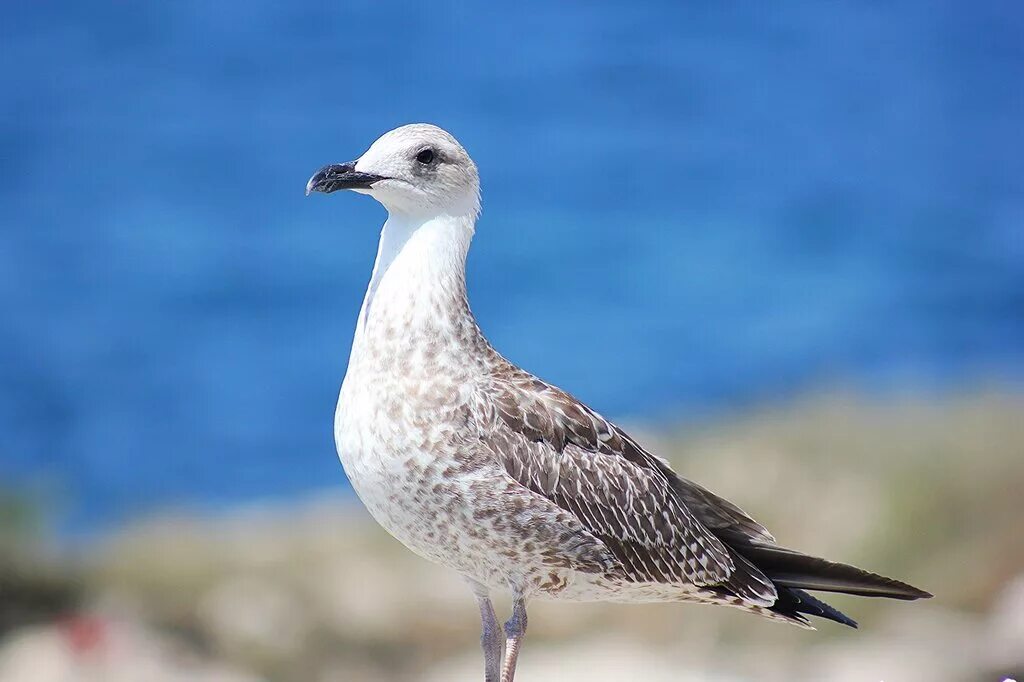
(478, 465)
(631, 502)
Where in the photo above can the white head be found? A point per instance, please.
(418, 170)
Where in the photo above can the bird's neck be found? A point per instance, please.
(419, 277)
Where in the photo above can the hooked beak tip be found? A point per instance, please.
(337, 176)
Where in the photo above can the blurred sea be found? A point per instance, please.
(686, 210)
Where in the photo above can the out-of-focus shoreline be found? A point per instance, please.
(922, 489)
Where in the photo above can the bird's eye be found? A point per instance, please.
(426, 156)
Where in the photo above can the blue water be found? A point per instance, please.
(686, 210)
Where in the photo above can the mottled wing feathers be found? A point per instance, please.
(654, 523)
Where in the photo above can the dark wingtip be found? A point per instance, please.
(788, 568)
(896, 589)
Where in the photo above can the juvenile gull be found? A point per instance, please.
(478, 465)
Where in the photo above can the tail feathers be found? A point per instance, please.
(792, 603)
(789, 569)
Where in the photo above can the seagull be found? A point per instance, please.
(477, 465)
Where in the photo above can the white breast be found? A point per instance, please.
(402, 410)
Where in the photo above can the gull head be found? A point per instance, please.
(418, 169)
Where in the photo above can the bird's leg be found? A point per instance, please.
(515, 629)
(492, 640)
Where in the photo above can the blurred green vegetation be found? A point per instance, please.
(34, 586)
(20, 519)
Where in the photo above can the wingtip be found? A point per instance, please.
(908, 592)
(921, 594)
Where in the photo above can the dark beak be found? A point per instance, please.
(340, 176)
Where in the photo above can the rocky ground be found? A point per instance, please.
(926, 490)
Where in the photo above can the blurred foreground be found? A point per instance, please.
(926, 491)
